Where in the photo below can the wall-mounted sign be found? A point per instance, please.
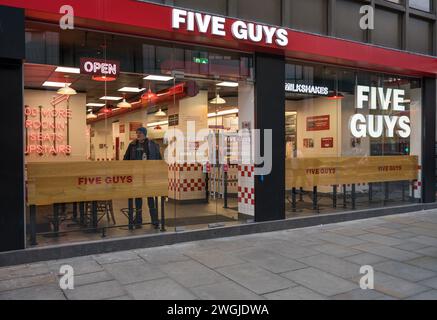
(374, 125)
(47, 130)
(308, 143)
(201, 60)
(327, 143)
(306, 89)
(98, 67)
(173, 120)
(217, 26)
(318, 123)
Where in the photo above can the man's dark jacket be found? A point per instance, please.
(152, 154)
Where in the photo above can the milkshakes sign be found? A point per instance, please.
(375, 125)
(217, 26)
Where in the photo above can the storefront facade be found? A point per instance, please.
(342, 126)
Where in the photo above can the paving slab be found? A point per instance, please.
(387, 251)
(133, 271)
(429, 295)
(26, 270)
(26, 282)
(397, 287)
(336, 250)
(255, 278)
(225, 291)
(162, 255)
(377, 238)
(191, 273)
(90, 278)
(360, 294)
(431, 283)
(269, 260)
(214, 258)
(81, 265)
(96, 291)
(44, 292)
(404, 271)
(320, 281)
(116, 257)
(159, 289)
(364, 259)
(339, 267)
(429, 263)
(295, 293)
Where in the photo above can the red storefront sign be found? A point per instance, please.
(153, 20)
(328, 143)
(318, 123)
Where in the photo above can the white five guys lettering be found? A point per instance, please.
(204, 23)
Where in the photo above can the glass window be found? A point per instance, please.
(387, 30)
(257, 10)
(97, 105)
(216, 6)
(352, 140)
(299, 11)
(422, 44)
(424, 5)
(347, 22)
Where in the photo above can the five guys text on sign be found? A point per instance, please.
(215, 25)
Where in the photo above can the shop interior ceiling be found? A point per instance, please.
(36, 74)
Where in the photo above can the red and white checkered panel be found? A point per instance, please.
(186, 182)
(186, 185)
(246, 189)
(246, 171)
(246, 195)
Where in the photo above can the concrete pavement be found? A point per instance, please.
(314, 263)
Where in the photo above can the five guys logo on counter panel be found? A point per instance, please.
(204, 23)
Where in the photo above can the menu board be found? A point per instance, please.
(318, 123)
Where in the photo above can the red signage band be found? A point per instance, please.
(154, 20)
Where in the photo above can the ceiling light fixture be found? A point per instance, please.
(67, 90)
(335, 95)
(160, 114)
(91, 116)
(67, 70)
(92, 104)
(124, 104)
(218, 100)
(223, 113)
(149, 95)
(131, 89)
(105, 110)
(160, 123)
(101, 78)
(158, 78)
(55, 84)
(110, 98)
(227, 84)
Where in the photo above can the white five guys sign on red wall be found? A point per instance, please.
(215, 25)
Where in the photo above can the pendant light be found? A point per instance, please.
(149, 95)
(335, 95)
(160, 113)
(67, 90)
(91, 116)
(218, 100)
(124, 104)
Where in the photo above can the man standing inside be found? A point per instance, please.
(144, 149)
